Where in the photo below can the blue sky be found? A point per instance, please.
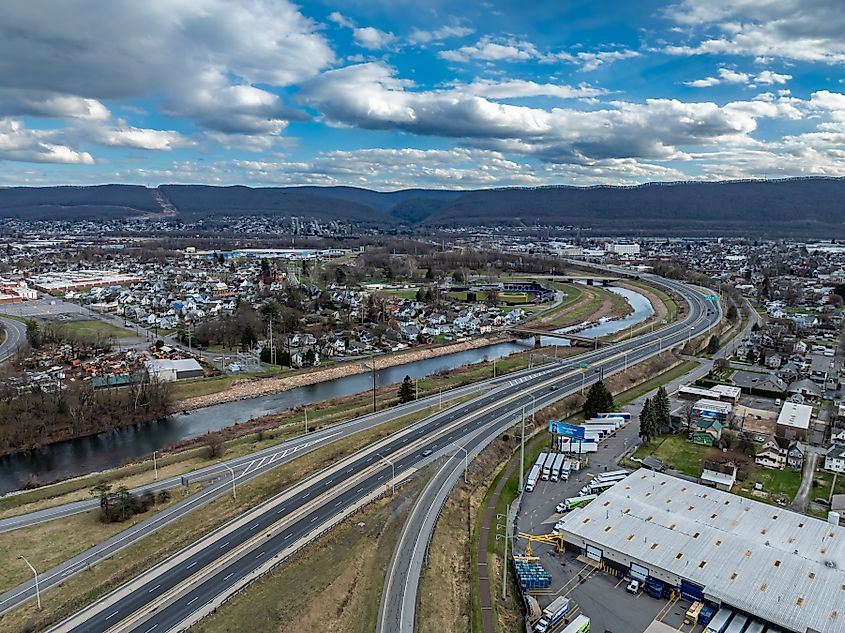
(393, 94)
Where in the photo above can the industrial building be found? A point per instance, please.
(168, 370)
(782, 567)
(794, 421)
(62, 282)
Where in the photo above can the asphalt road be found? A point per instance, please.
(219, 479)
(399, 597)
(14, 338)
(503, 402)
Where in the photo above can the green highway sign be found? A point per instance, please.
(712, 297)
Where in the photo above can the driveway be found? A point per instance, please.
(802, 498)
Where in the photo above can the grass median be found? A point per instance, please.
(88, 586)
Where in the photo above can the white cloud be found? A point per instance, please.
(418, 36)
(487, 49)
(341, 20)
(204, 59)
(140, 138)
(521, 88)
(18, 143)
(371, 38)
(729, 76)
(370, 96)
(789, 29)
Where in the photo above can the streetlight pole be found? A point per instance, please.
(392, 474)
(533, 409)
(503, 537)
(155, 466)
(373, 360)
(229, 468)
(306, 420)
(494, 368)
(440, 407)
(522, 452)
(466, 459)
(37, 588)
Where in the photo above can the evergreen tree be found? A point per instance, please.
(248, 338)
(406, 390)
(599, 400)
(661, 409)
(647, 422)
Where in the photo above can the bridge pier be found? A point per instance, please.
(537, 340)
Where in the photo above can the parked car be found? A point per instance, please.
(633, 586)
(821, 501)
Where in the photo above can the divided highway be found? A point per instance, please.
(179, 591)
(14, 338)
(397, 610)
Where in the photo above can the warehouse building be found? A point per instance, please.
(782, 567)
(168, 370)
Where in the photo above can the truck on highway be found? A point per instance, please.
(581, 624)
(533, 476)
(553, 614)
(557, 466)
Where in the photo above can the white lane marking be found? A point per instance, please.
(153, 627)
(112, 615)
(154, 588)
(259, 554)
(193, 600)
(287, 536)
(224, 545)
(229, 576)
(191, 565)
(253, 527)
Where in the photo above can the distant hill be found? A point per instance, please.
(70, 203)
(800, 207)
(804, 206)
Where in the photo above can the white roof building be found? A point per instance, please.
(783, 567)
(795, 415)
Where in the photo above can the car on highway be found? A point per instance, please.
(554, 388)
(633, 586)
(426, 452)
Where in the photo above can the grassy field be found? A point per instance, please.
(678, 454)
(87, 587)
(185, 389)
(96, 329)
(47, 544)
(778, 483)
(402, 293)
(824, 480)
(342, 574)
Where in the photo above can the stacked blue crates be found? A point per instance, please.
(531, 575)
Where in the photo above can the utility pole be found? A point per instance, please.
(272, 348)
(373, 361)
(522, 452)
(306, 420)
(229, 468)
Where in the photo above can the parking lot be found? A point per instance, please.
(47, 310)
(597, 594)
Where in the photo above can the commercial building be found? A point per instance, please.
(727, 393)
(713, 409)
(62, 282)
(171, 370)
(626, 250)
(779, 566)
(794, 421)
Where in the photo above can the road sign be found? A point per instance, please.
(711, 297)
(570, 430)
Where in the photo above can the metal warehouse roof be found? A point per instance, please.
(785, 567)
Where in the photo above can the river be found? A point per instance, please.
(107, 450)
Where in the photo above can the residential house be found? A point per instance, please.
(795, 455)
(706, 431)
(773, 453)
(719, 476)
(807, 389)
(834, 459)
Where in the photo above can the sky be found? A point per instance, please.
(391, 94)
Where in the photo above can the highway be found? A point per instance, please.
(15, 337)
(397, 609)
(179, 591)
(218, 480)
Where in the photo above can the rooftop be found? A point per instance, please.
(769, 561)
(795, 415)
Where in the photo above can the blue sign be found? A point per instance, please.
(570, 430)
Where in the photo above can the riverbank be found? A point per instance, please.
(254, 387)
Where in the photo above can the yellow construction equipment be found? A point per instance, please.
(551, 539)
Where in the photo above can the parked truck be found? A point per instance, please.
(581, 624)
(654, 587)
(533, 476)
(557, 466)
(553, 614)
(546, 471)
